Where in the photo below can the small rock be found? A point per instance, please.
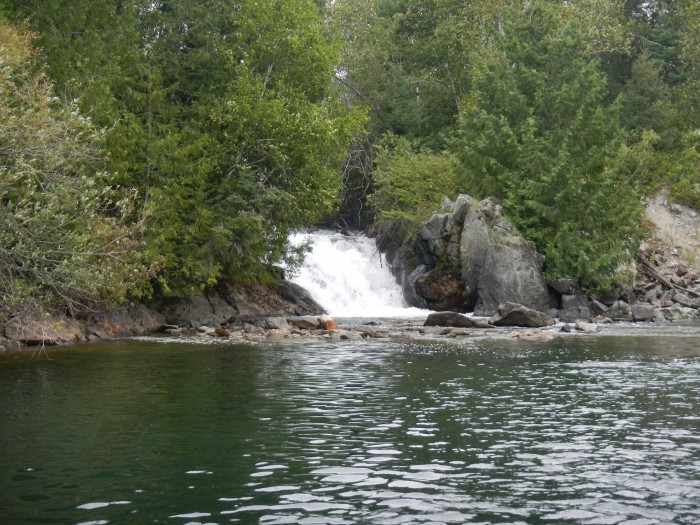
(620, 311)
(511, 314)
(571, 315)
(303, 324)
(684, 299)
(278, 333)
(344, 335)
(208, 330)
(454, 320)
(597, 308)
(539, 336)
(275, 323)
(459, 333)
(653, 294)
(566, 328)
(588, 328)
(679, 313)
(172, 331)
(643, 312)
(327, 322)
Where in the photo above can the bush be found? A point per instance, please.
(410, 183)
(63, 242)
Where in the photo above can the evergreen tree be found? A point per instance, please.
(645, 102)
(537, 131)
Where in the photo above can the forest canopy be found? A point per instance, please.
(164, 146)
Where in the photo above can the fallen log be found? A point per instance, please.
(649, 270)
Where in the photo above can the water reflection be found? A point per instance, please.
(591, 431)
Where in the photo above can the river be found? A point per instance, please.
(601, 429)
(595, 430)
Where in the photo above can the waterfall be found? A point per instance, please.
(348, 277)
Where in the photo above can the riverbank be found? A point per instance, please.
(295, 330)
(665, 289)
(219, 309)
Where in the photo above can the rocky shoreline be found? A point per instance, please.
(219, 309)
(286, 313)
(512, 322)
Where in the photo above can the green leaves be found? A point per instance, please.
(63, 243)
(220, 114)
(410, 183)
(537, 131)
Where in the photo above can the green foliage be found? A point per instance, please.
(685, 172)
(410, 183)
(63, 243)
(688, 92)
(537, 132)
(645, 102)
(221, 114)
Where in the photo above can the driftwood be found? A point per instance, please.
(649, 269)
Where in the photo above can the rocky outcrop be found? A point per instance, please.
(122, 322)
(36, 332)
(471, 258)
(227, 303)
(211, 310)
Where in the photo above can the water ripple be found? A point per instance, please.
(587, 431)
(588, 441)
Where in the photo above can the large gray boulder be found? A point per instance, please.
(511, 272)
(473, 247)
(473, 259)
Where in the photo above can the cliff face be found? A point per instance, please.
(676, 230)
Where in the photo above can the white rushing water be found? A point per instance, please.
(348, 276)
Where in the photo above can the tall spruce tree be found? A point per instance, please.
(538, 132)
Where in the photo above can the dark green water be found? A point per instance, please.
(582, 430)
